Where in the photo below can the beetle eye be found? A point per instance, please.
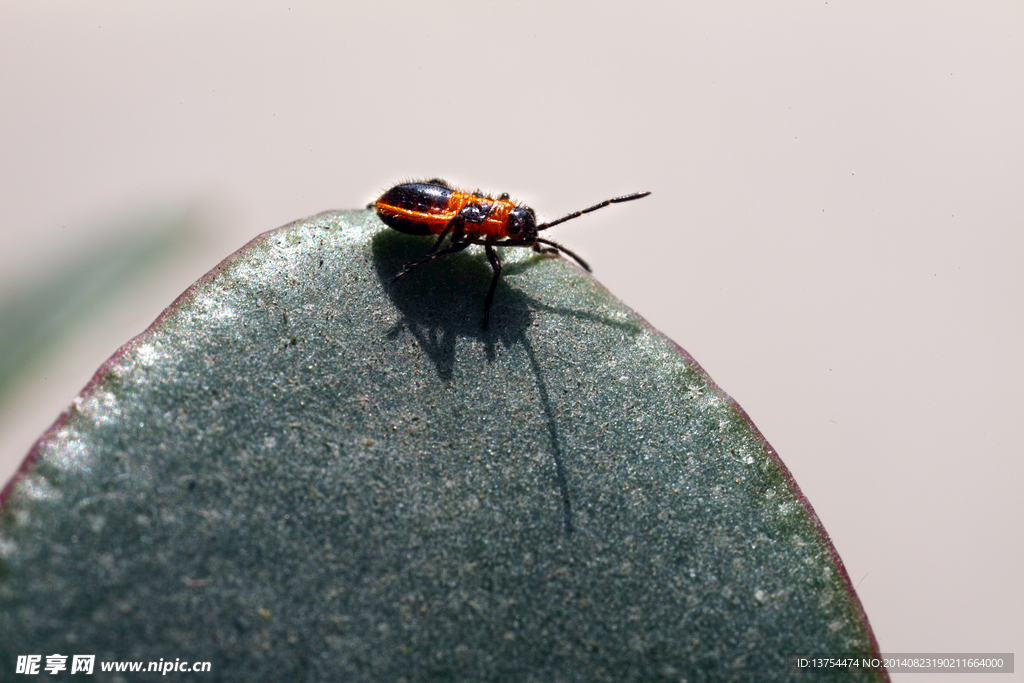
(521, 224)
(514, 225)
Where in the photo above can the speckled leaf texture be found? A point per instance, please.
(305, 472)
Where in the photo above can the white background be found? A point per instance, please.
(836, 230)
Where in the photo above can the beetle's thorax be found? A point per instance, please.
(484, 216)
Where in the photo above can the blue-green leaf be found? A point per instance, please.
(302, 471)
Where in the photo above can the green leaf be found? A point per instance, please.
(302, 471)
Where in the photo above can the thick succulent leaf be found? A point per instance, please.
(302, 471)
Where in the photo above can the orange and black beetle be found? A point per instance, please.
(434, 207)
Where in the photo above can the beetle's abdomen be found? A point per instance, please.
(416, 208)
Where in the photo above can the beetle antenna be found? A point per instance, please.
(555, 248)
(595, 207)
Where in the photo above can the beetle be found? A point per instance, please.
(434, 207)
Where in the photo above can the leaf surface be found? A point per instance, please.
(302, 471)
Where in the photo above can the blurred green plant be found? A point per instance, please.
(41, 311)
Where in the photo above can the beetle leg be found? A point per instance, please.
(495, 262)
(430, 257)
(455, 227)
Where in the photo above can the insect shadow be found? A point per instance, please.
(441, 303)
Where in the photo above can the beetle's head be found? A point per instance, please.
(522, 224)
